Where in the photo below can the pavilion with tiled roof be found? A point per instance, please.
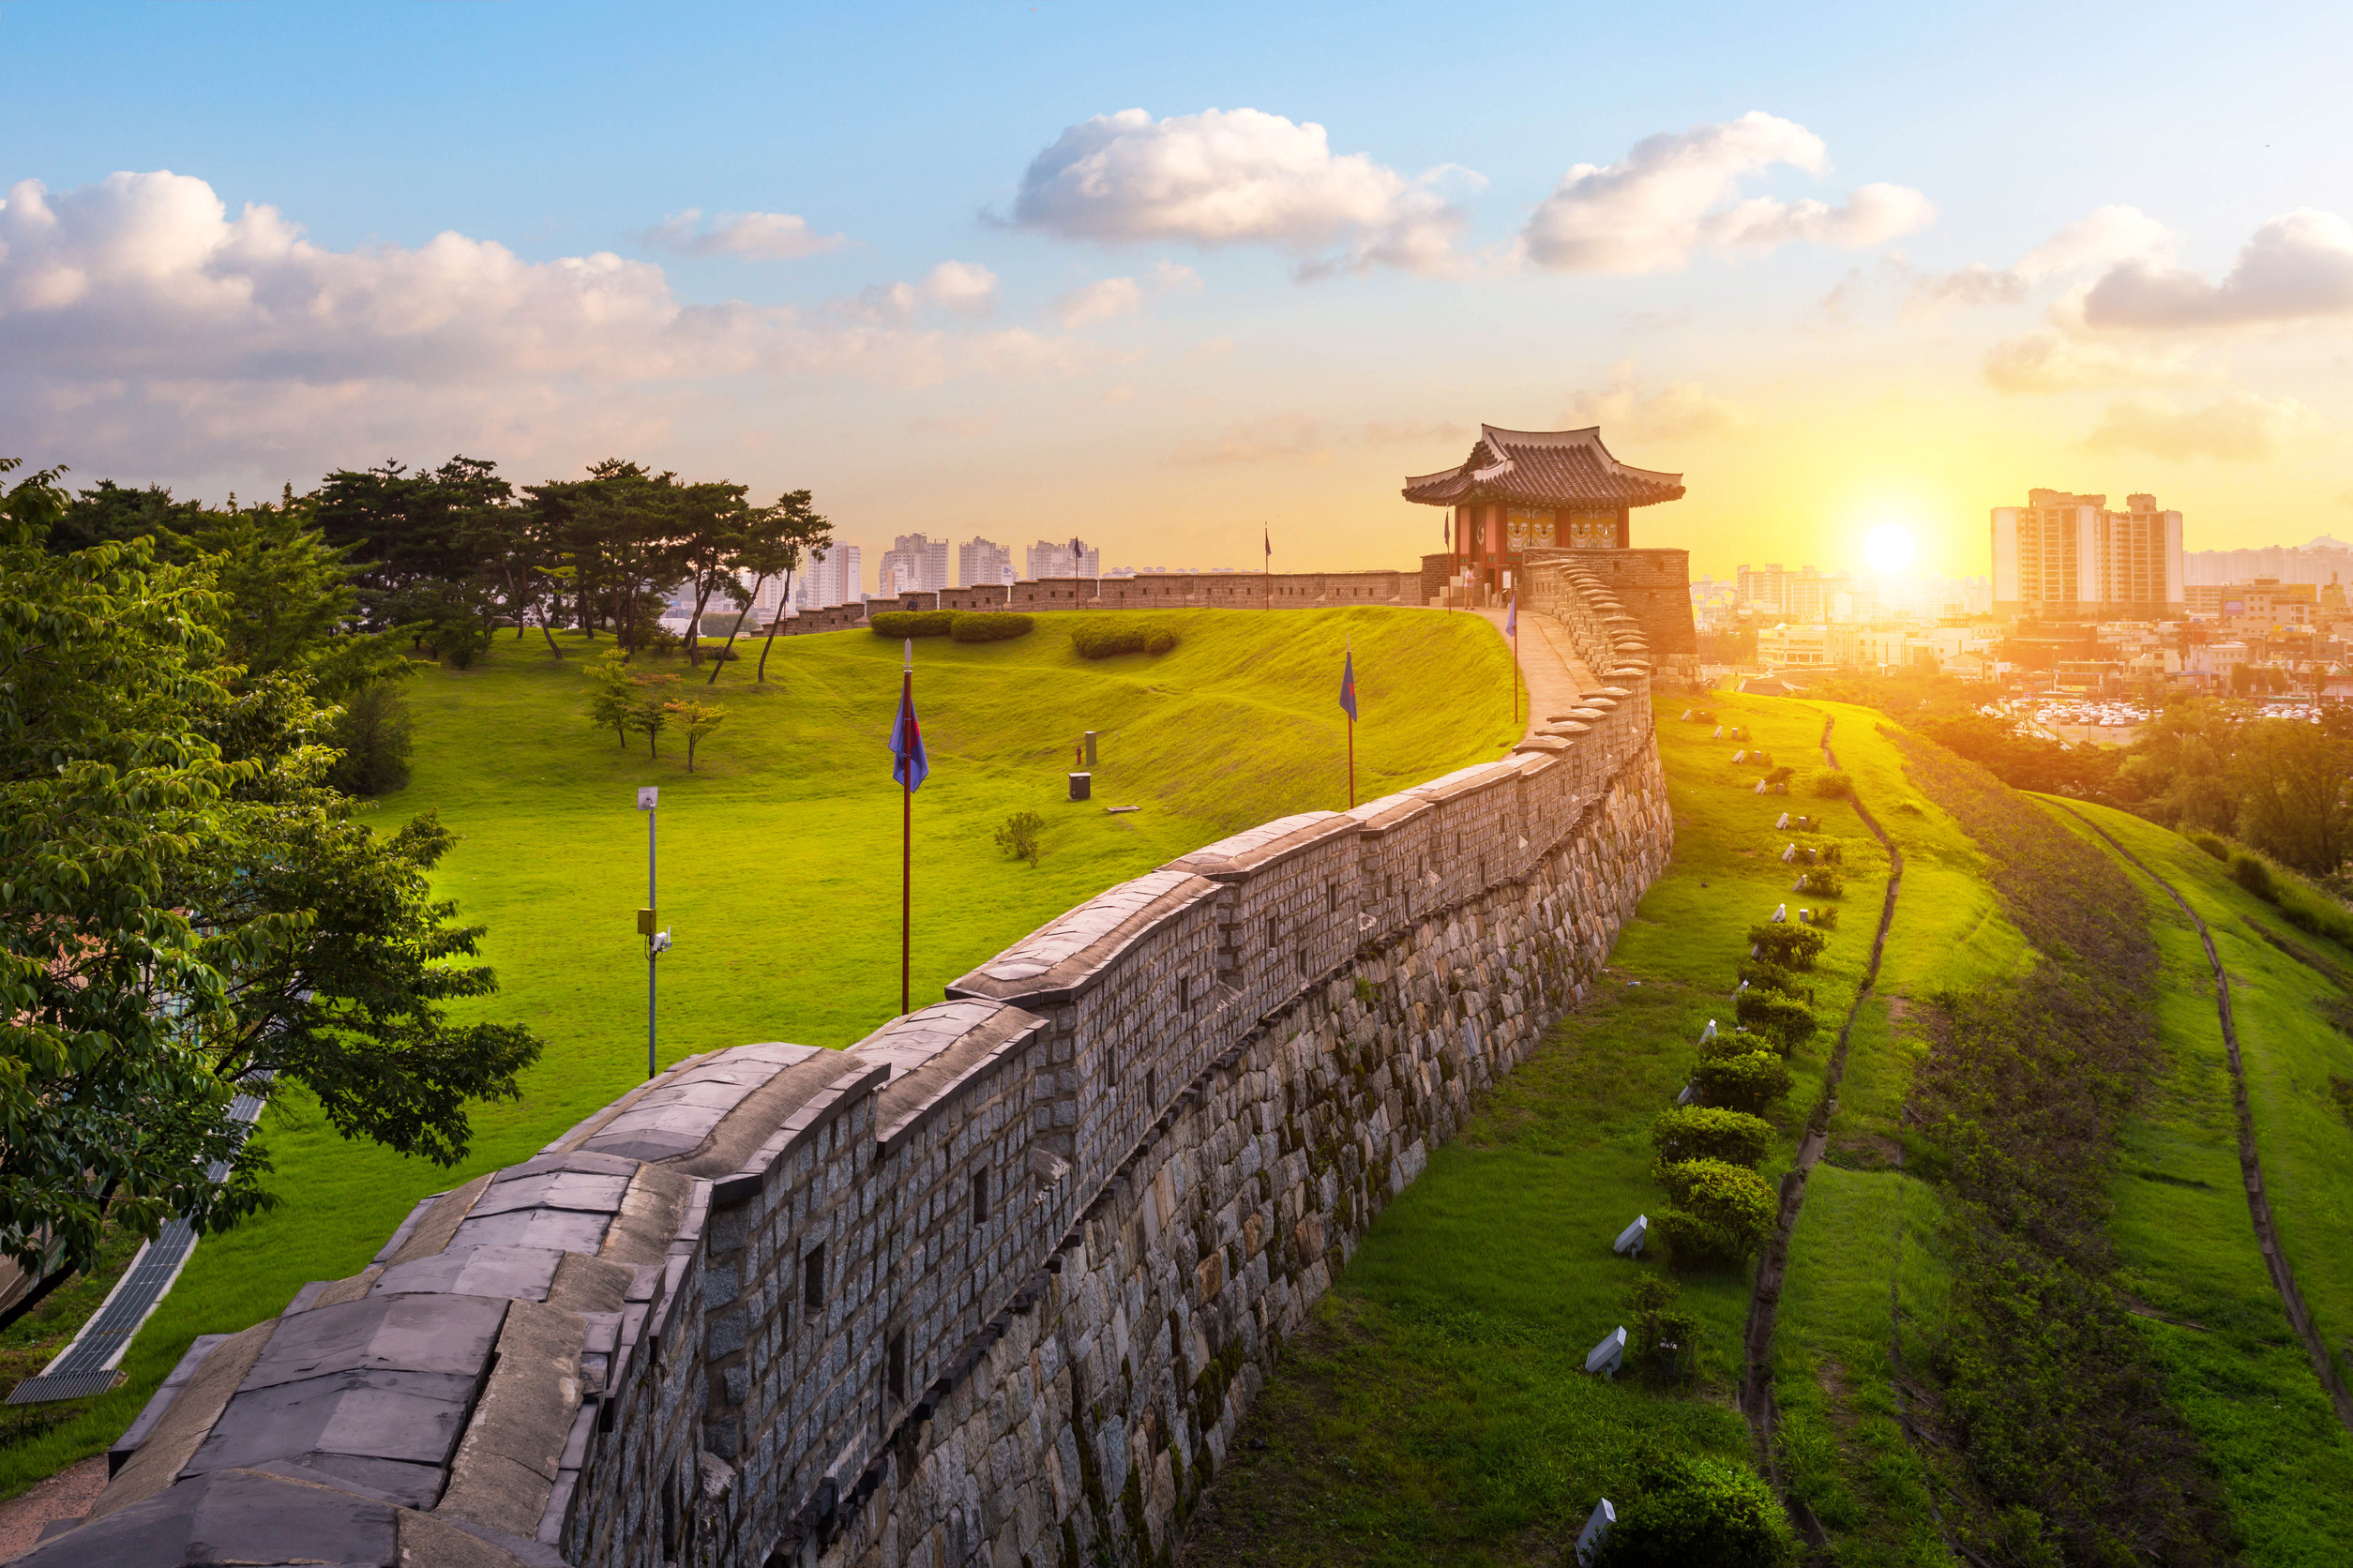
(1521, 490)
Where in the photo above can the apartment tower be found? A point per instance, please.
(2068, 557)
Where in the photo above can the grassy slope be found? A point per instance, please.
(780, 873)
(2234, 1367)
(1438, 1411)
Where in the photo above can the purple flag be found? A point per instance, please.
(910, 766)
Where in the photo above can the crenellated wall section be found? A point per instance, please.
(994, 1285)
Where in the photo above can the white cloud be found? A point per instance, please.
(2107, 236)
(136, 311)
(2297, 266)
(2239, 426)
(1681, 411)
(1102, 300)
(1238, 177)
(1672, 196)
(761, 236)
(2068, 362)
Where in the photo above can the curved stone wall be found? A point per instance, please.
(992, 1286)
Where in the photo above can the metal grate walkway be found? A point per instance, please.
(88, 1366)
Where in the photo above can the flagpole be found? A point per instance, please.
(1347, 653)
(1515, 653)
(906, 833)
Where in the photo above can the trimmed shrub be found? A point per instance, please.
(1826, 918)
(1827, 884)
(1781, 1018)
(1723, 1213)
(1727, 1042)
(1689, 1511)
(915, 623)
(988, 625)
(1711, 1133)
(2312, 912)
(1664, 1341)
(1792, 947)
(2254, 874)
(1751, 1082)
(1105, 639)
(1831, 785)
(2211, 844)
(1763, 974)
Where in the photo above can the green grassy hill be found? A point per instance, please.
(781, 868)
(1438, 1412)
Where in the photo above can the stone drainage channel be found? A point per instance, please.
(2258, 1200)
(1756, 1401)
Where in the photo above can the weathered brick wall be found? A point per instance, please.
(994, 1285)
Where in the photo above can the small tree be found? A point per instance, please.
(372, 733)
(1664, 1343)
(695, 719)
(649, 715)
(612, 693)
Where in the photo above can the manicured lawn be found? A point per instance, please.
(781, 874)
(1438, 1410)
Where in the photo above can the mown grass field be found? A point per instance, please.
(780, 873)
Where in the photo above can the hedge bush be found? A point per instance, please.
(1827, 884)
(1712, 1132)
(1833, 785)
(989, 626)
(2211, 844)
(1788, 945)
(1689, 1511)
(1764, 974)
(2252, 873)
(915, 622)
(1781, 1018)
(1752, 1083)
(1102, 639)
(1722, 1212)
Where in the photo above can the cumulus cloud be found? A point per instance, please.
(2068, 362)
(1239, 177)
(2297, 268)
(1673, 195)
(1679, 411)
(760, 236)
(138, 305)
(2239, 426)
(2110, 235)
(1109, 299)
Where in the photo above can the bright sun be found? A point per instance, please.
(1889, 547)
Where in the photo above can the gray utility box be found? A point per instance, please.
(1082, 786)
(1091, 734)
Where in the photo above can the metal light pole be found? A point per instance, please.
(657, 942)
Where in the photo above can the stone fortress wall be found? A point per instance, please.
(1194, 591)
(993, 1286)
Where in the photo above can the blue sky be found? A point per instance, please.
(1813, 372)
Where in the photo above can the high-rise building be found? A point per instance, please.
(1067, 558)
(983, 564)
(1805, 595)
(915, 562)
(2068, 556)
(832, 576)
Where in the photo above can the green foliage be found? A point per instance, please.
(1781, 1018)
(1103, 639)
(2341, 1091)
(1830, 784)
(2254, 873)
(1711, 1132)
(1722, 1212)
(1663, 1339)
(1690, 1511)
(1821, 884)
(2209, 843)
(373, 734)
(989, 626)
(696, 720)
(1824, 918)
(612, 694)
(1753, 1082)
(1764, 974)
(1788, 945)
(904, 623)
(1020, 836)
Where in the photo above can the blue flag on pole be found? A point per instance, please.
(1511, 616)
(909, 767)
(1347, 684)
